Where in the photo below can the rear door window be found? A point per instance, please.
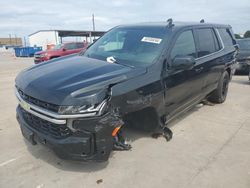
(184, 45)
(208, 42)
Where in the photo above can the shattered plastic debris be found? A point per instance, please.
(166, 133)
(120, 143)
(99, 181)
(205, 102)
(120, 146)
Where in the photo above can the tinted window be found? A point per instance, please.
(184, 45)
(79, 45)
(57, 47)
(216, 40)
(208, 42)
(226, 37)
(70, 46)
(244, 44)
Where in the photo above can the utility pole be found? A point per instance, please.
(24, 40)
(16, 39)
(93, 21)
(10, 39)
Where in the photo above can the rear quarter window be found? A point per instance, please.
(226, 37)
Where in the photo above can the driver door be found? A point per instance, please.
(182, 87)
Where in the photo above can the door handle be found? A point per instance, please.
(198, 69)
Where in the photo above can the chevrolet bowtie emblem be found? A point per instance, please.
(25, 105)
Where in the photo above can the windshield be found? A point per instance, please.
(57, 47)
(244, 44)
(131, 46)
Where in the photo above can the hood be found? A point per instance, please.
(73, 80)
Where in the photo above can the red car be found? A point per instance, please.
(60, 50)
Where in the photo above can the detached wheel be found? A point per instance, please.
(219, 95)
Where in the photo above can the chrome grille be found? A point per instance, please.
(37, 102)
(46, 127)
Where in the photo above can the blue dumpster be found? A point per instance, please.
(26, 51)
(17, 52)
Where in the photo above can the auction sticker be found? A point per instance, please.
(151, 40)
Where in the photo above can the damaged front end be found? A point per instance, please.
(83, 132)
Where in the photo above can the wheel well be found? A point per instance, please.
(146, 119)
(229, 71)
(53, 57)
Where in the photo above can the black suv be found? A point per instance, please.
(243, 57)
(142, 75)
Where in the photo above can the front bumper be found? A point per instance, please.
(89, 139)
(40, 59)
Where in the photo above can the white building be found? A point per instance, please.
(48, 37)
(44, 38)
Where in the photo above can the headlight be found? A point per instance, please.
(71, 109)
(84, 109)
(43, 55)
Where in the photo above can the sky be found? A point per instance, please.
(23, 17)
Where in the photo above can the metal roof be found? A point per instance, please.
(73, 33)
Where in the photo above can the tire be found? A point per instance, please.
(219, 95)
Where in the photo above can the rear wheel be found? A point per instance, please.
(219, 95)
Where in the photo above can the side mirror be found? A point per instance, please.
(183, 63)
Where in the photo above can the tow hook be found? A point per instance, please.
(165, 132)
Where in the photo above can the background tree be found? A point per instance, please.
(237, 36)
(247, 34)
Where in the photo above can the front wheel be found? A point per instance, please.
(219, 95)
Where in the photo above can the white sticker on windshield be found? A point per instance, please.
(111, 59)
(151, 40)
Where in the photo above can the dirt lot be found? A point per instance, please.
(210, 148)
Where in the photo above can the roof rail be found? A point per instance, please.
(202, 21)
(170, 22)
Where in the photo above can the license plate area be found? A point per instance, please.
(29, 135)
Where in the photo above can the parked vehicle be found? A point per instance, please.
(60, 50)
(143, 75)
(26, 51)
(249, 70)
(243, 56)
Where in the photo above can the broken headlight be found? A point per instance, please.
(71, 109)
(98, 109)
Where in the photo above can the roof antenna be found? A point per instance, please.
(202, 21)
(170, 22)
